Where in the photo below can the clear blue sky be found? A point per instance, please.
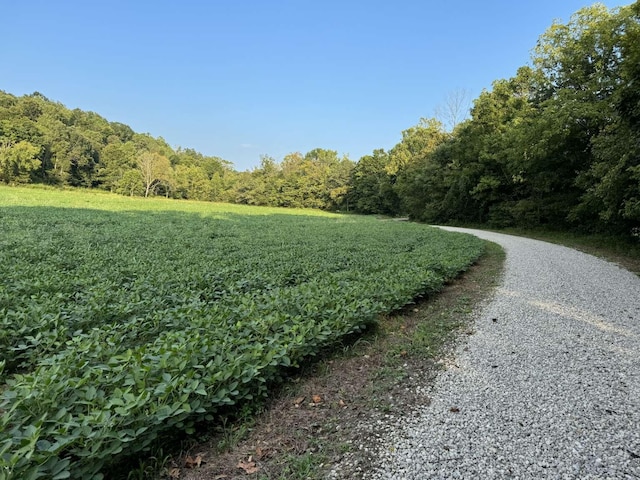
(238, 79)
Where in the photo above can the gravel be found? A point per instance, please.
(548, 386)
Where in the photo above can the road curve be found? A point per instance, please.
(548, 386)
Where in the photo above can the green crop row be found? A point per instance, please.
(117, 327)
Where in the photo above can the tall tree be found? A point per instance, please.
(611, 185)
(584, 65)
(155, 170)
(115, 160)
(192, 182)
(17, 161)
(417, 142)
(454, 109)
(371, 188)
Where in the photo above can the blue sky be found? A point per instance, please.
(238, 79)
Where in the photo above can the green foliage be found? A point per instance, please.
(125, 319)
(371, 188)
(43, 141)
(17, 161)
(318, 179)
(556, 145)
(410, 160)
(417, 142)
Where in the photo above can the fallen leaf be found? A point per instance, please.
(174, 472)
(262, 452)
(298, 401)
(248, 466)
(341, 403)
(191, 462)
(316, 399)
(454, 409)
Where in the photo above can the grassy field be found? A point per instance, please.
(124, 319)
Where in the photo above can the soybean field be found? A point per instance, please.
(124, 319)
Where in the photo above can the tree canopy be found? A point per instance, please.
(558, 144)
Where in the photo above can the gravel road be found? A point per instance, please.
(548, 386)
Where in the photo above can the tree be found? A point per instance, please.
(371, 189)
(130, 183)
(611, 185)
(454, 109)
(155, 170)
(337, 184)
(115, 160)
(315, 174)
(586, 67)
(17, 161)
(290, 186)
(416, 142)
(192, 182)
(409, 162)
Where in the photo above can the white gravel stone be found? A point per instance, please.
(547, 387)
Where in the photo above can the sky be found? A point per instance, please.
(239, 79)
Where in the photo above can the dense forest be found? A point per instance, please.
(556, 145)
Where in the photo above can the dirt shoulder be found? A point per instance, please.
(320, 418)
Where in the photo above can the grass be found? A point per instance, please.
(44, 196)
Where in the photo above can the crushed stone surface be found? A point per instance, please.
(547, 386)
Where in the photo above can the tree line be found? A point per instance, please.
(42, 141)
(558, 145)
